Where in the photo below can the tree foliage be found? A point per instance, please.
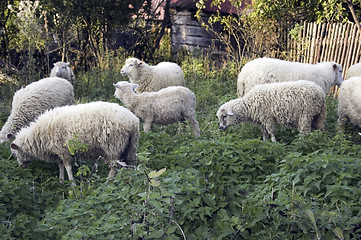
(258, 26)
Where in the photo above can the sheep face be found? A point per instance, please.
(62, 70)
(22, 157)
(225, 119)
(123, 87)
(131, 67)
(338, 69)
(227, 116)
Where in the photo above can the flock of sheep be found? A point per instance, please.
(44, 116)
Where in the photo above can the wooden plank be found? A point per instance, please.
(190, 30)
(325, 42)
(345, 64)
(195, 41)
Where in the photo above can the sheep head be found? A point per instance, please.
(131, 67)
(21, 156)
(63, 70)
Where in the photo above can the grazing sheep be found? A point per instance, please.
(168, 105)
(354, 71)
(37, 97)
(62, 70)
(349, 102)
(152, 78)
(267, 70)
(291, 104)
(105, 128)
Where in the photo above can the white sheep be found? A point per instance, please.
(152, 78)
(291, 104)
(354, 70)
(29, 102)
(267, 70)
(349, 102)
(105, 128)
(168, 105)
(63, 70)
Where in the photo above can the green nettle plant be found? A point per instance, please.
(223, 185)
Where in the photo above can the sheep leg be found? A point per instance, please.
(131, 155)
(270, 127)
(265, 134)
(112, 172)
(61, 171)
(66, 160)
(319, 120)
(194, 123)
(147, 124)
(304, 125)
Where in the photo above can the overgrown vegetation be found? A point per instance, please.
(223, 185)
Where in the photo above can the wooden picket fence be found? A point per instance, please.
(336, 42)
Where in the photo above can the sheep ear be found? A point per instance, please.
(54, 64)
(139, 62)
(230, 113)
(14, 146)
(134, 85)
(116, 85)
(67, 63)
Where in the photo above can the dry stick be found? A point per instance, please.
(308, 36)
(354, 39)
(350, 46)
(340, 37)
(343, 62)
(318, 43)
(324, 42)
(313, 42)
(329, 42)
(357, 53)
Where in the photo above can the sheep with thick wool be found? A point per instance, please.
(34, 99)
(268, 70)
(168, 105)
(349, 102)
(354, 71)
(298, 104)
(152, 78)
(104, 128)
(63, 70)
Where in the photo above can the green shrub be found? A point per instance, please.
(223, 185)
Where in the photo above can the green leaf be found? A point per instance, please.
(156, 234)
(155, 174)
(338, 232)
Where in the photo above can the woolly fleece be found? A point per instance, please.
(349, 101)
(267, 70)
(29, 102)
(168, 105)
(290, 104)
(153, 78)
(105, 128)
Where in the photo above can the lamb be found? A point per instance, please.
(354, 70)
(349, 102)
(152, 78)
(62, 70)
(168, 105)
(29, 102)
(299, 104)
(267, 70)
(105, 128)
